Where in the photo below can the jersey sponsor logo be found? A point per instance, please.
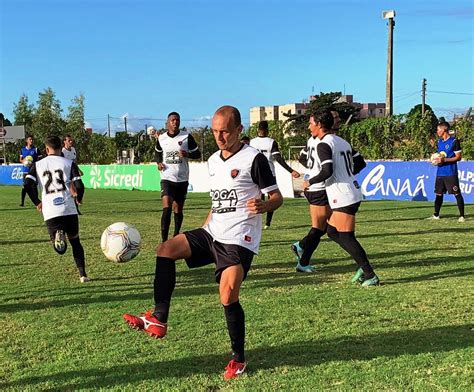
(224, 200)
(234, 173)
(172, 157)
(57, 201)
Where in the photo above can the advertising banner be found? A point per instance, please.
(11, 174)
(142, 177)
(380, 180)
(410, 181)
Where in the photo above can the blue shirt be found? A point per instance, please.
(33, 152)
(449, 147)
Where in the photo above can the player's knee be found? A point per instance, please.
(163, 249)
(228, 295)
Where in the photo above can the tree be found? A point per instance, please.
(75, 127)
(205, 141)
(23, 112)
(5, 121)
(297, 124)
(47, 118)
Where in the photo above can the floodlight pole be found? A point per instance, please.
(390, 15)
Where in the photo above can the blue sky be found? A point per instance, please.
(147, 58)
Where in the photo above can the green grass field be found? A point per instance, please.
(304, 332)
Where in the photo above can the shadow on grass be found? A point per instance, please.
(37, 241)
(298, 354)
(433, 276)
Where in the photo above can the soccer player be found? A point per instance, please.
(230, 236)
(339, 162)
(28, 151)
(172, 151)
(318, 201)
(69, 152)
(55, 174)
(447, 173)
(269, 147)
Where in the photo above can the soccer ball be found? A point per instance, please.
(434, 159)
(120, 242)
(28, 161)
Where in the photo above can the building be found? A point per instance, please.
(277, 112)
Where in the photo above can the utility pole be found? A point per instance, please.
(108, 123)
(390, 15)
(423, 96)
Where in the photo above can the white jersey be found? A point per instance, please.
(243, 176)
(54, 175)
(313, 166)
(176, 167)
(342, 188)
(266, 145)
(69, 154)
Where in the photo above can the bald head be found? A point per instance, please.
(230, 112)
(226, 127)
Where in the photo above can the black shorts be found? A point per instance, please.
(317, 198)
(204, 251)
(448, 184)
(351, 209)
(68, 223)
(176, 190)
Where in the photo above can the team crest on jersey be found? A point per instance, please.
(180, 142)
(234, 173)
(247, 238)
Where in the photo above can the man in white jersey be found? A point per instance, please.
(172, 151)
(69, 152)
(339, 162)
(318, 202)
(230, 237)
(55, 174)
(269, 147)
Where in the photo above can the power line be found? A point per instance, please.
(408, 96)
(449, 92)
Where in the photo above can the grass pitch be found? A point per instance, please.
(304, 332)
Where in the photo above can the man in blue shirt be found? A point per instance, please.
(28, 151)
(447, 179)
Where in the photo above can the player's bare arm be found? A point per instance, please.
(258, 206)
(457, 157)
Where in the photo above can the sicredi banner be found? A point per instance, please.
(410, 181)
(142, 177)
